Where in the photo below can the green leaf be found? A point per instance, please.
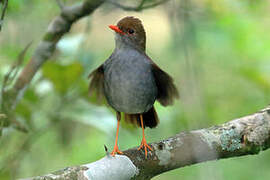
(62, 76)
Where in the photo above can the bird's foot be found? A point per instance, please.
(145, 146)
(116, 151)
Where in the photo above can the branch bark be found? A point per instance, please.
(59, 26)
(138, 8)
(243, 136)
(4, 8)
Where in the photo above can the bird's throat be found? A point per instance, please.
(122, 42)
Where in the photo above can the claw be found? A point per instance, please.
(144, 143)
(116, 151)
(145, 146)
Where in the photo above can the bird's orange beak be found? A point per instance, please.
(116, 29)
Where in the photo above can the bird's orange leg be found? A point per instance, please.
(116, 149)
(144, 143)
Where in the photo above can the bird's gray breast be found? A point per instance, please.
(129, 84)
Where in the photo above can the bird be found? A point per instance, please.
(131, 82)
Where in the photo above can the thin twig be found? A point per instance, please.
(140, 7)
(59, 26)
(12, 73)
(154, 4)
(60, 3)
(19, 61)
(141, 4)
(5, 5)
(8, 79)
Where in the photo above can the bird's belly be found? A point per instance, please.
(130, 90)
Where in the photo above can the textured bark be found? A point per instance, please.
(243, 136)
(4, 8)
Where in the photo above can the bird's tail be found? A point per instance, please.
(150, 118)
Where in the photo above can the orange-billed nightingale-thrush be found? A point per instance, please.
(130, 81)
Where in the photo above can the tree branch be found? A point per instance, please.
(59, 26)
(138, 8)
(5, 5)
(243, 136)
(60, 4)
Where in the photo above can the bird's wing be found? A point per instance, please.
(96, 85)
(167, 91)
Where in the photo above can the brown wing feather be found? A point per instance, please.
(167, 91)
(96, 85)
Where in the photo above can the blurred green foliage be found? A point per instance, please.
(62, 76)
(218, 52)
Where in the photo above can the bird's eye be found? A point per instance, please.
(130, 31)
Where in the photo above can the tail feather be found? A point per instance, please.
(133, 119)
(150, 118)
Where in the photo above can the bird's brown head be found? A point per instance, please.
(129, 33)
